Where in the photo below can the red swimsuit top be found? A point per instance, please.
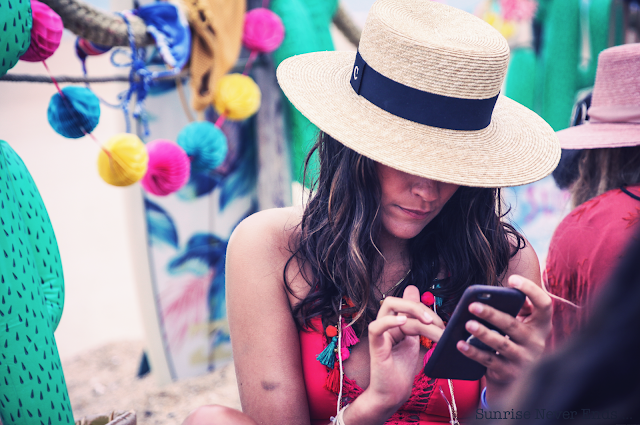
(425, 405)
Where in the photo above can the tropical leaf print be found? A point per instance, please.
(160, 225)
(242, 173)
(202, 250)
(200, 184)
(204, 256)
(183, 306)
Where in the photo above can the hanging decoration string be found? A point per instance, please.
(340, 357)
(140, 79)
(28, 78)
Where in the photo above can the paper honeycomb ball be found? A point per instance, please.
(263, 30)
(46, 33)
(75, 114)
(123, 160)
(168, 169)
(237, 97)
(15, 32)
(205, 144)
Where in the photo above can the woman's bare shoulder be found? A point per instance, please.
(268, 229)
(262, 244)
(524, 262)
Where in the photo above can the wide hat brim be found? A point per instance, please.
(600, 135)
(517, 148)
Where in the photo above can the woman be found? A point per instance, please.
(589, 242)
(393, 220)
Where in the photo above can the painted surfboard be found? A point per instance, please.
(180, 240)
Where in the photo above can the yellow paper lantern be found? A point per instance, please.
(506, 28)
(237, 97)
(123, 160)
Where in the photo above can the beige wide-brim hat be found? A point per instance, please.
(432, 51)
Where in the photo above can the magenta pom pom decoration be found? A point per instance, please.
(168, 168)
(46, 33)
(518, 10)
(263, 30)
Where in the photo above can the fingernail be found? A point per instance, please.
(472, 325)
(401, 319)
(427, 318)
(476, 308)
(515, 281)
(463, 346)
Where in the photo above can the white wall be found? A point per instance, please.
(88, 216)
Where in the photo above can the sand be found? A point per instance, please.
(104, 379)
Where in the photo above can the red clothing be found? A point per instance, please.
(425, 406)
(584, 251)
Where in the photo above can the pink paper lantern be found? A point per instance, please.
(168, 168)
(263, 30)
(518, 10)
(46, 33)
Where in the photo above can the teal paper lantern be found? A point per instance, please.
(76, 114)
(205, 144)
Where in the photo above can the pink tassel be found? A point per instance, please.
(349, 336)
(344, 351)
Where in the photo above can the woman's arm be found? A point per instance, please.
(264, 337)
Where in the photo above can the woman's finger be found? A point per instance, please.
(542, 305)
(414, 327)
(417, 310)
(499, 343)
(498, 367)
(503, 321)
(384, 324)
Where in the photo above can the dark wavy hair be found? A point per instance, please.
(601, 170)
(336, 248)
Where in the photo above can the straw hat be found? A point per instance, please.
(614, 114)
(428, 77)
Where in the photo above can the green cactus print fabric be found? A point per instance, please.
(15, 32)
(32, 385)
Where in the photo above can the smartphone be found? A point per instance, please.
(446, 361)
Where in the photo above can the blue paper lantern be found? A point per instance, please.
(205, 144)
(75, 114)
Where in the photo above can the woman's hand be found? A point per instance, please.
(524, 341)
(394, 349)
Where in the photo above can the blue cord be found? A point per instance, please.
(483, 399)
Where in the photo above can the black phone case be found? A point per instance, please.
(447, 362)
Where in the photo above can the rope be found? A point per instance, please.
(28, 78)
(108, 29)
(98, 26)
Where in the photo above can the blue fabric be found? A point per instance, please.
(419, 106)
(75, 115)
(171, 33)
(483, 399)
